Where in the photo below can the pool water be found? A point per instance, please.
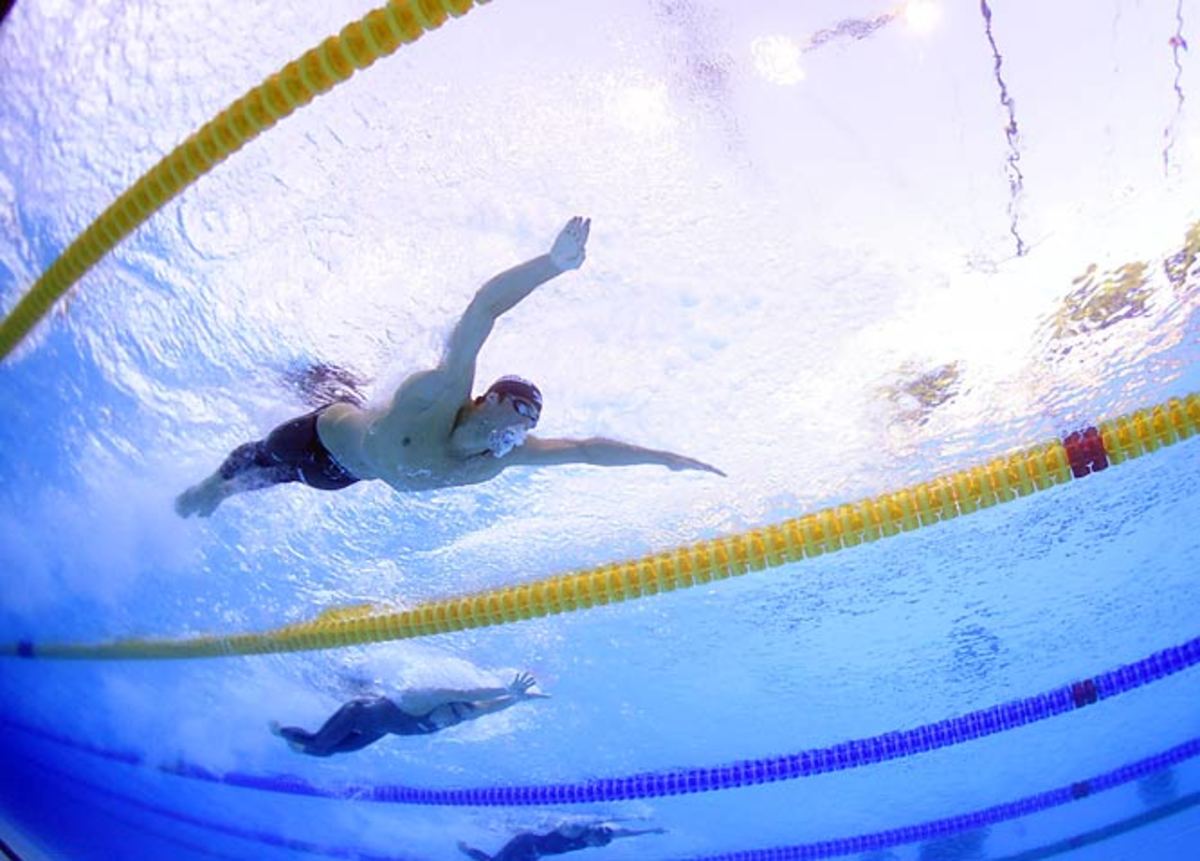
(837, 250)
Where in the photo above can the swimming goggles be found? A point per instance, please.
(526, 409)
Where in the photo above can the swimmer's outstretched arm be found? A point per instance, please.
(504, 291)
(450, 384)
(577, 829)
(634, 832)
(599, 451)
(425, 701)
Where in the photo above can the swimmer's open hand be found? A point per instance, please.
(570, 248)
(520, 685)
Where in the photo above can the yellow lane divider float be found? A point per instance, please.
(358, 45)
(1000, 480)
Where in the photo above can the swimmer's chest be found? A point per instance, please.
(416, 456)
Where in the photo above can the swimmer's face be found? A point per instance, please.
(498, 411)
(598, 837)
(507, 420)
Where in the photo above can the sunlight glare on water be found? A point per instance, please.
(836, 249)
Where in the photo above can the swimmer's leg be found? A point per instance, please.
(356, 740)
(203, 498)
(473, 854)
(249, 467)
(296, 737)
(349, 729)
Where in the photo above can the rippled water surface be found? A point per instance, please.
(837, 249)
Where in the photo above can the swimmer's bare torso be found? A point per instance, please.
(411, 445)
(432, 434)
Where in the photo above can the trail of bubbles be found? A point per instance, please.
(851, 29)
(1016, 180)
(1177, 43)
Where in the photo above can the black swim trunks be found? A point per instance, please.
(291, 452)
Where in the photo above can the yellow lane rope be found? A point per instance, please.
(1000, 480)
(358, 45)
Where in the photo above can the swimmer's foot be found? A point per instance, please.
(201, 500)
(185, 503)
(277, 730)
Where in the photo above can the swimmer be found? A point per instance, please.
(432, 434)
(362, 722)
(565, 838)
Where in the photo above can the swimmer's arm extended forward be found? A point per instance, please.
(444, 389)
(501, 293)
(599, 451)
(424, 701)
